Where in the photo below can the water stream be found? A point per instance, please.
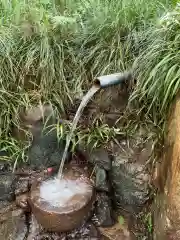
(83, 104)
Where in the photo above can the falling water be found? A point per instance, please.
(83, 104)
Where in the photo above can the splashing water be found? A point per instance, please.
(61, 192)
(83, 104)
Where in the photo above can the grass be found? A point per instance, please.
(51, 50)
(157, 67)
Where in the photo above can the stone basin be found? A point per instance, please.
(70, 215)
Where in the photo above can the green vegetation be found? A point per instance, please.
(157, 66)
(50, 50)
(149, 222)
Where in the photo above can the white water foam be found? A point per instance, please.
(58, 192)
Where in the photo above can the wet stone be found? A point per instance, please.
(4, 165)
(21, 202)
(13, 226)
(34, 228)
(21, 186)
(85, 232)
(36, 113)
(7, 186)
(117, 232)
(130, 185)
(101, 158)
(101, 180)
(46, 150)
(4, 204)
(20, 230)
(103, 211)
(129, 174)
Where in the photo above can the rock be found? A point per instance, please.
(46, 150)
(100, 157)
(130, 184)
(84, 232)
(6, 206)
(7, 186)
(166, 208)
(22, 202)
(13, 226)
(7, 190)
(103, 211)
(36, 113)
(20, 227)
(22, 185)
(33, 121)
(5, 166)
(101, 180)
(109, 104)
(35, 229)
(117, 231)
(129, 176)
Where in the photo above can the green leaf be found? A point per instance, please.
(45, 1)
(121, 220)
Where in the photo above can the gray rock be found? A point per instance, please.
(5, 166)
(36, 113)
(46, 150)
(4, 204)
(130, 185)
(7, 186)
(21, 186)
(103, 211)
(101, 180)
(100, 157)
(13, 225)
(129, 174)
(20, 228)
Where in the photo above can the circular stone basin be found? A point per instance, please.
(61, 205)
